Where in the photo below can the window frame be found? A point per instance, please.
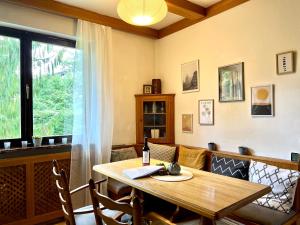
(26, 38)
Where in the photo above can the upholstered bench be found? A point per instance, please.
(250, 214)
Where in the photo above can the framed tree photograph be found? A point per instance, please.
(262, 100)
(285, 63)
(206, 112)
(231, 83)
(187, 123)
(190, 76)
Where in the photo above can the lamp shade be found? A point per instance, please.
(142, 12)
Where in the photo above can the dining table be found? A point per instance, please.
(210, 195)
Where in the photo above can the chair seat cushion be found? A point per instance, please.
(118, 187)
(86, 219)
(262, 215)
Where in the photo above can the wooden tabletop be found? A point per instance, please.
(210, 195)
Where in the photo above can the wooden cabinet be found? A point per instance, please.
(155, 118)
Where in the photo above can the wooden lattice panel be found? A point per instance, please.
(46, 195)
(12, 193)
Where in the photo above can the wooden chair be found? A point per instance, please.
(81, 216)
(133, 208)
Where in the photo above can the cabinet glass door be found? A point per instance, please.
(154, 119)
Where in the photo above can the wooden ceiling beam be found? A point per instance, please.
(78, 13)
(186, 9)
(213, 10)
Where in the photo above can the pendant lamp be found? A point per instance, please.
(142, 12)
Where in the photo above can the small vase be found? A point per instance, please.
(37, 142)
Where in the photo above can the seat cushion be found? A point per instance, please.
(194, 158)
(86, 219)
(262, 215)
(118, 187)
(282, 181)
(162, 152)
(123, 154)
(230, 167)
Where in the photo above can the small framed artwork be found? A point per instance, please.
(187, 123)
(147, 89)
(285, 62)
(262, 101)
(190, 76)
(231, 83)
(206, 112)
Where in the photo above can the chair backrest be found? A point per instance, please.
(62, 185)
(98, 199)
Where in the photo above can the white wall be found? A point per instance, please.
(253, 33)
(133, 60)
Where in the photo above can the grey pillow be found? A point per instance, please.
(123, 154)
(162, 152)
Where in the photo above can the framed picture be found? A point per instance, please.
(147, 89)
(187, 123)
(231, 83)
(285, 62)
(190, 76)
(206, 112)
(262, 101)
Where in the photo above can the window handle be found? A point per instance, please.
(27, 91)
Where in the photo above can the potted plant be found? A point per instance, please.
(37, 141)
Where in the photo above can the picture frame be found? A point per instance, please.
(187, 123)
(262, 101)
(231, 83)
(285, 62)
(206, 112)
(190, 76)
(147, 89)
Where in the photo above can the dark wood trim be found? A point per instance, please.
(186, 9)
(78, 13)
(213, 10)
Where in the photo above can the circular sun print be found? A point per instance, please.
(262, 94)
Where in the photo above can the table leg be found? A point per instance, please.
(207, 221)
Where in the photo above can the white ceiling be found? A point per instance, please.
(109, 8)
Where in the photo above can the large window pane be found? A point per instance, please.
(52, 73)
(10, 106)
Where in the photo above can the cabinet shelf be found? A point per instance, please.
(154, 126)
(155, 113)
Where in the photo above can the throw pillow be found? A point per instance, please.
(162, 152)
(230, 167)
(190, 157)
(123, 154)
(282, 181)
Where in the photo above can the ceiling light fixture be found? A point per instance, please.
(142, 12)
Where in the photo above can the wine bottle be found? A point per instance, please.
(146, 153)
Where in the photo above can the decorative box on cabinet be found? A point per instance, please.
(155, 118)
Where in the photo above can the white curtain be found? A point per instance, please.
(93, 107)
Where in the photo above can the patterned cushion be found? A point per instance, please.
(162, 152)
(194, 158)
(282, 181)
(123, 154)
(230, 167)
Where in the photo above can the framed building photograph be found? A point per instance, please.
(285, 62)
(190, 76)
(262, 100)
(231, 83)
(147, 89)
(206, 112)
(187, 123)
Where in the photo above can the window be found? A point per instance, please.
(36, 83)
(10, 104)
